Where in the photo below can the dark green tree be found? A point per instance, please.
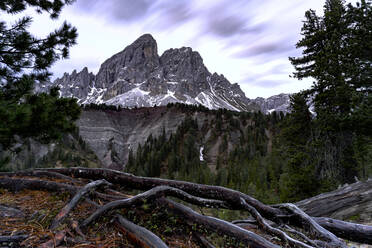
(299, 179)
(337, 54)
(24, 61)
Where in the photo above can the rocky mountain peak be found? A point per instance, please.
(138, 77)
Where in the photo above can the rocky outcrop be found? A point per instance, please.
(274, 103)
(75, 85)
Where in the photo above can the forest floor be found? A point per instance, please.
(27, 214)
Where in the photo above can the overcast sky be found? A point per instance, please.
(249, 41)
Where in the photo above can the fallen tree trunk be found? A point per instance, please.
(343, 203)
(139, 235)
(347, 230)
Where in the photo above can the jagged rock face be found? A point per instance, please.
(185, 67)
(138, 77)
(274, 103)
(129, 68)
(75, 85)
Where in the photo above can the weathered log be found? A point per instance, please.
(351, 200)
(216, 225)
(343, 203)
(139, 235)
(346, 230)
(75, 200)
(150, 195)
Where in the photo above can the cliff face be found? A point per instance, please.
(112, 134)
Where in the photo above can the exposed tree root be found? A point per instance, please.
(217, 225)
(151, 195)
(311, 225)
(139, 235)
(285, 222)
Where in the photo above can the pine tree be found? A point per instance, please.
(26, 60)
(337, 52)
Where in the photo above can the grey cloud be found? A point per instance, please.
(269, 49)
(226, 26)
(173, 13)
(118, 10)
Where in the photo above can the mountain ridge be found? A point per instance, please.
(138, 77)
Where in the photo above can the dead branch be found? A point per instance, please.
(75, 200)
(311, 225)
(272, 230)
(139, 235)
